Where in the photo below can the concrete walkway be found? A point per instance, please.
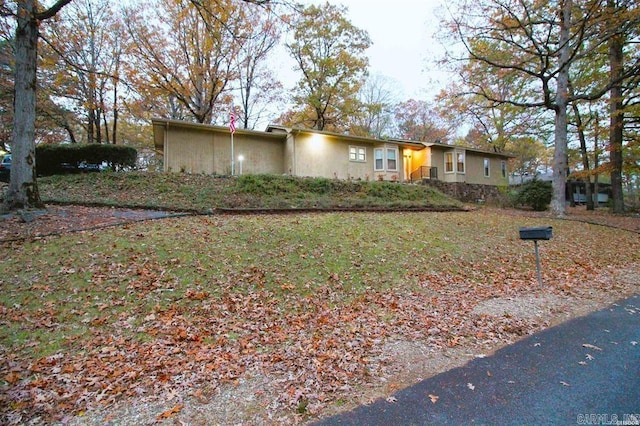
(585, 371)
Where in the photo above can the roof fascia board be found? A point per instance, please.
(168, 123)
(447, 147)
(355, 138)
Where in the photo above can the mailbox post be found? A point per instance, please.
(536, 234)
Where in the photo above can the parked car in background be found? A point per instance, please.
(90, 167)
(5, 168)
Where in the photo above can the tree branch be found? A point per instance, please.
(51, 12)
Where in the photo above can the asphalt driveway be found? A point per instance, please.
(584, 371)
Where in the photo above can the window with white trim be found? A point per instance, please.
(448, 162)
(487, 164)
(460, 162)
(378, 159)
(357, 153)
(392, 159)
(385, 159)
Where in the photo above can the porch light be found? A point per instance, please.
(240, 160)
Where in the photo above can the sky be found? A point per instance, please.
(403, 46)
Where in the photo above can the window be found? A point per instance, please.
(385, 159)
(460, 162)
(357, 153)
(392, 159)
(378, 155)
(503, 167)
(448, 162)
(486, 167)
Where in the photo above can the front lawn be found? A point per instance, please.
(292, 315)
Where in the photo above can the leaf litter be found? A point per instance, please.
(141, 340)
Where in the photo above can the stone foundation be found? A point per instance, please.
(467, 192)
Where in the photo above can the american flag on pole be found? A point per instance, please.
(232, 121)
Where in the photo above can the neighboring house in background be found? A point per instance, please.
(200, 148)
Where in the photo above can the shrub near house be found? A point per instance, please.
(56, 159)
(536, 194)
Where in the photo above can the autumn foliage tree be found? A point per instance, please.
(537, 44)
(329, 52)
(86, 48)
(418, 121)
(184, 60)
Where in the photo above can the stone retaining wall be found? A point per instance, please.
(467, 192)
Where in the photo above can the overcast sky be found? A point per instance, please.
(403, 46)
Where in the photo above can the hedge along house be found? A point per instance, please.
(200, 148)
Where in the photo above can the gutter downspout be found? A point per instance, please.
(165, 166)
(294, 160)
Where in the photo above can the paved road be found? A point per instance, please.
(585, 371)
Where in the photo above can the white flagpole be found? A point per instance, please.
(233, 172)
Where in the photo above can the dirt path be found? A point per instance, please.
(56, 220)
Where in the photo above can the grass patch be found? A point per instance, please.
(203, 193)
(91, 317)
(106, 279)
(197, 300)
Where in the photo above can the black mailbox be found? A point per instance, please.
(539, 233)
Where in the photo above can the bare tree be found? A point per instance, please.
(258, 87)
(377, 100)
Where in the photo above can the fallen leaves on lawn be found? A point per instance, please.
(134, 327)
(590, 346)
(170, 413)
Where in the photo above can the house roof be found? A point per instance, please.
(345, 136)
(276, 131)
(444, 146)
(167, 123)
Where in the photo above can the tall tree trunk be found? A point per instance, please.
(585, 157)
(114, 128)
(91, 120)
(116, 80)
(23, 189)
(106, 138)
(560, 152)
(596, 157)
(98, 125)
(72, 136)
(616, 58)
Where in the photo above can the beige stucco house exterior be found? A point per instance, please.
(200, 148)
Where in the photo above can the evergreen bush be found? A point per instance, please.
(536, 194)
(54, 159)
